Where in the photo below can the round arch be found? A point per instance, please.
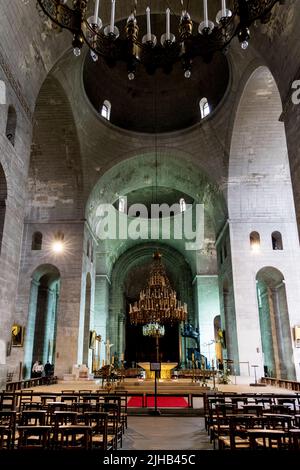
(274, 324)
(134, 265)
(40, 340)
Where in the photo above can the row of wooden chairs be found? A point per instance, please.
(35, 428)
(255, 433)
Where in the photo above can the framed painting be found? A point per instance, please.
(17, 335)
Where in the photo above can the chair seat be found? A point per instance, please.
(239, 442)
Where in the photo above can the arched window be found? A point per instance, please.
(277, 241)
(37, 241)
(11, 124)
(122, 204)
(105, 110)
(2, 92)
(182, 205)
(204, 108)
(255, 241)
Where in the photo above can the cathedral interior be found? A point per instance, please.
(210, 136)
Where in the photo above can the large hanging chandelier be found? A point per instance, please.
(158, 303)
(233, 19)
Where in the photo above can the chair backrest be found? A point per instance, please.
(8, 418)
(33, 437)
(59, 418)
(33, 418)
(75, 437)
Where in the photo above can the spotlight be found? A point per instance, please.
(57, 247)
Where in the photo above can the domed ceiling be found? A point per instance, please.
(160, 102)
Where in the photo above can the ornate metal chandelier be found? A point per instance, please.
(153, 330)
(232, 20)
(158, 303)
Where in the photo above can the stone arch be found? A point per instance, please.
(40, 340)
(275, 324)
(135, 260)
(259, 183)
(55, 161)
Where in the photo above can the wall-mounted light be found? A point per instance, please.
(58, 245)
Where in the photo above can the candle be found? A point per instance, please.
(96, 11)
(122, 357)
(148, 24)
(223, 8)
(205, 13)
(113, 359)
(112, 16)
(168, 24)
(212, 363)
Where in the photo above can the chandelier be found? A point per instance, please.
(232, 20)
(158, 303)
(153, 330)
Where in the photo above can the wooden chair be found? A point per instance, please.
(7, 429)
(34, 437)
(294, 439)
(33, 418)
(267, 439)
(99, 424)
(115, 427)
(8, 401)
(236, 438)
(75, 437)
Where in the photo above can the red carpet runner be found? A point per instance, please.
(162, 402)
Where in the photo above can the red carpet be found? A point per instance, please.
(162, 402)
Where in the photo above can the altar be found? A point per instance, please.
(166, 368)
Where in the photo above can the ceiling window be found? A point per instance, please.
(105, 110)
(204, 108)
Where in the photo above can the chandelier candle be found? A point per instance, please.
(112, 17)
(148, 24)
(96, 11)
(168, 37)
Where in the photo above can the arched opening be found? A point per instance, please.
(11, 124)
(254, 241)
(204, 108)
(3, 196)
(277, 241)
(106, 110)
(37, 241)
(87, 320)
(274, 324)
(40, 340)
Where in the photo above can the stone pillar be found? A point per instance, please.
(121, 343)
(29, 336)
(101, 311)
(208, 306)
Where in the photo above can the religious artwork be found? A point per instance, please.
(93, 336)
(221, 338)
(17, 335)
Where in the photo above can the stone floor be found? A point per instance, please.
(156, 433)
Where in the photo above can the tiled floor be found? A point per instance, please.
(155, 433)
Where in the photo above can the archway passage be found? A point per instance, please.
(274, 324)
(40, 343)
